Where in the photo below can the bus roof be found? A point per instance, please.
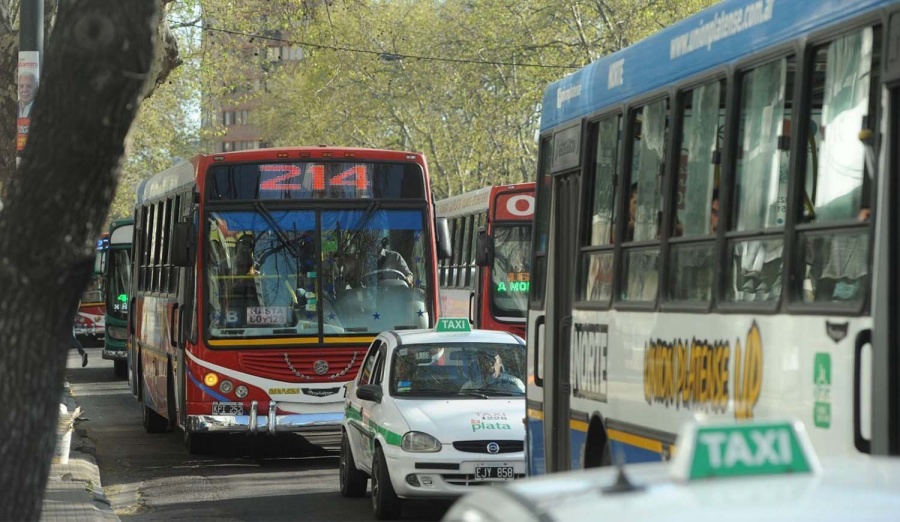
(716, 36)
(183, 173)
(476, 200)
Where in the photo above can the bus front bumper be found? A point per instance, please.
(114, 355)
(270, 422)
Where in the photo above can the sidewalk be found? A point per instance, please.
(74, 492)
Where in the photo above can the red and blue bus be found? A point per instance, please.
(488, 276)
(257, 286)
(89, 321)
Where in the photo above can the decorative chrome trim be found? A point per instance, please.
(273, 408)
(292, 423)
(254, 408)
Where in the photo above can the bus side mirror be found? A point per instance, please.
(183, 243)
(484, 249)
(442, 231)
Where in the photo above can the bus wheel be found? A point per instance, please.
(385, 503)
(596, 452)
(120, 369)
(154, 422)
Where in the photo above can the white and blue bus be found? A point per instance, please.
(716, 233)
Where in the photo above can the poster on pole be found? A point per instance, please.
(28, 80)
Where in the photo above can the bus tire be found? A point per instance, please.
(385, 502)
(153, 422)
(120, 369)
(596, 452)
(353, 481)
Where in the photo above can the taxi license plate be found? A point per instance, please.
(504, 472)
(228, 408)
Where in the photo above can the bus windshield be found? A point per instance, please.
(277, 273)
(118, 282)
(512, 252)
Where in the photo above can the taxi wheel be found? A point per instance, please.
(385, 503)
(353, 481)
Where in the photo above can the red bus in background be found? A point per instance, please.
(90, 324)
(258, 284)
(488, 276)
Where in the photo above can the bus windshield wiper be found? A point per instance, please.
(279, 232)
(370, 211)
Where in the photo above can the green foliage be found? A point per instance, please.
(459, 80)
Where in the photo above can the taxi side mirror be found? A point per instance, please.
(370, 392)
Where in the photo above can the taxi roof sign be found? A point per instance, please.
(453, 324)
(743, 449)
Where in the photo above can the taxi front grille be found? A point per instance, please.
(481, 446)
(469, 479)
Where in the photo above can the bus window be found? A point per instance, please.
(596, 271)
(693, 264)
(835, 266)
(761, 178)
(649, 126)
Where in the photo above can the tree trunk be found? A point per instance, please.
(95, 69)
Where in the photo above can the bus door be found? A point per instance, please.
(885, 360)
(566, 192)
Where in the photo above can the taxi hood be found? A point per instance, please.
(464, 419)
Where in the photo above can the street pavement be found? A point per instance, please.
(74, 492)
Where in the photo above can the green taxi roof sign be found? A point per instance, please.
(743, 449)
(453, 324)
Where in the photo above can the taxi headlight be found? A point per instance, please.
(418, 442)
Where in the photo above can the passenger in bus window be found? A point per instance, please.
(714, 211)
(243, 289)
(379, 263)
(390, 262)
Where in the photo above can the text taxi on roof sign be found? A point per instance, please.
(738, 471)
(432, 413)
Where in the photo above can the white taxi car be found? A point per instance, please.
(433, 412)
(750, 471)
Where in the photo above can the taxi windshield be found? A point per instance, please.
(463, 370)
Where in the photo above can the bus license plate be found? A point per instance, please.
(505, 472)
(228, 408)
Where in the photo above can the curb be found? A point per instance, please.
(74, 491)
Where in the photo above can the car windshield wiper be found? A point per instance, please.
(428, 391)
(474, 393)
(493, 391)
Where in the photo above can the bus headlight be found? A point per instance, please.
(211, 379)
(226, 386)
(117, 332)
(418, 442)
(241, 391)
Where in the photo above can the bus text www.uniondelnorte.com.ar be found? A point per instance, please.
(723, 25)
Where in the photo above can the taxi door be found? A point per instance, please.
(362, 426)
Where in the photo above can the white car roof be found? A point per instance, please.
(404, 337)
